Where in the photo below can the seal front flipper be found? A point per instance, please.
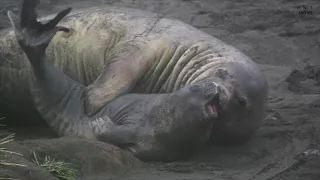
(107, 131)
(126, 64)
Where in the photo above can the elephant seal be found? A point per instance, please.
(151, 126)
(114, 51)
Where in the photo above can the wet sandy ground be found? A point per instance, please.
(275, 35)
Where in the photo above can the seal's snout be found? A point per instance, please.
(212, 90)
(212, 95)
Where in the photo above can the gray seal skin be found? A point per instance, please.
(151, 126)
(114, 51)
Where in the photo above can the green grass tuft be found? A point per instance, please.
(62, 170)
(4, 140)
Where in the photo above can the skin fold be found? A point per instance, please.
(151, 126)
(114, 51)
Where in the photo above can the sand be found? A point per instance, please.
(285, 43)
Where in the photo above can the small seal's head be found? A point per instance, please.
(180, 122)
(203, 96)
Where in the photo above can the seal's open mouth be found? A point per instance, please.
(212, 110)
(212, 97)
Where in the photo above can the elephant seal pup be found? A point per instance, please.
(151, 126)
(115, 51)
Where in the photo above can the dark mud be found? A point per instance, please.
(286, 44)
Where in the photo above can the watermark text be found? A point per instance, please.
(304, 9)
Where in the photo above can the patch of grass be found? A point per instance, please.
(4, 140)
(62, 170)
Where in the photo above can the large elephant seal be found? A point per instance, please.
(151, 126)
(114, 51)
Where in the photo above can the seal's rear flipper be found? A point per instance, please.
(53, 22)
(32, 35)
(28, 15)
(55, 95)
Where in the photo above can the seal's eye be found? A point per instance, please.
(242, 102)
(195, 88)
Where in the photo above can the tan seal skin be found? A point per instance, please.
(114, 51)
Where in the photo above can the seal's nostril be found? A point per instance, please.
(242, 102)
(214, 87)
